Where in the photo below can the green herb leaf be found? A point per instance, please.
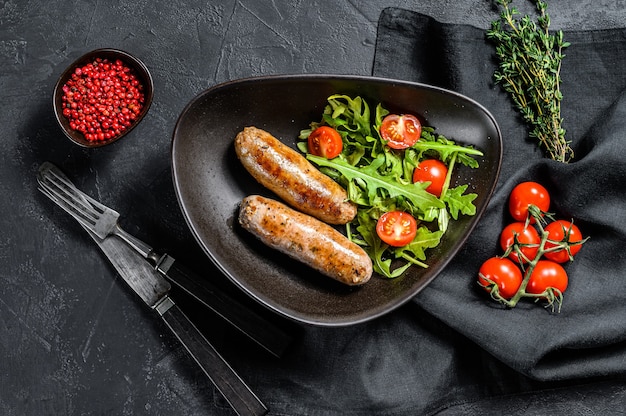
(378, 187)
(424, 240)
(529, 70)
(379, 179)
(460, 203)
(438, 146)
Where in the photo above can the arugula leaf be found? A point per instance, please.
(378, 186)
(379, 179)
(424, 239)
(383, 256)
(457, 202)
(350, 115)
(444, 148)
(375, 248)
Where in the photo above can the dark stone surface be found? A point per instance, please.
(73, 339)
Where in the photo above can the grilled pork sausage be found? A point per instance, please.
(306, 239)
(294, 179)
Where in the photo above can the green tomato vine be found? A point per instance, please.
(551, 295)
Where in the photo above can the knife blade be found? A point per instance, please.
(153, 289)
(133, 269)
(57, 186)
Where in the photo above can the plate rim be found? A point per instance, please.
(381, 310)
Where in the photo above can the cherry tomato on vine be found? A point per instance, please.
(525, 235)
(547, 274)
(433, 171)
(396, 228)
(563, 231)
(326, 142)
(504, 273)
(525, 194)
(400, 131)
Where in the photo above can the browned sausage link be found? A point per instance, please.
(306, 239)
(294, 179)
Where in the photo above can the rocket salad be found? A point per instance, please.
(381, 165)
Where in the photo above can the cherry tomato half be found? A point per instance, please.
(525, 194)
(525, 235)
(433, 171)
(326, 142)
(504, 273)
(396, 228)
(400, 131)
(547, 274)
(562, 231)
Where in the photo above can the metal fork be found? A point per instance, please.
(153, 289)
(98, 218)
(103, 221)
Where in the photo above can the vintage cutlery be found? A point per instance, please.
(103, 221)
(153, 290)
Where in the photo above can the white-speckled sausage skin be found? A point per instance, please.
(306, 239)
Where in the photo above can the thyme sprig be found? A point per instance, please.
(529, 69)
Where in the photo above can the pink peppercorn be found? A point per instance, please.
(102, 99)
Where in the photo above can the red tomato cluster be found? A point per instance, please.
(102, 99)
(533, 253)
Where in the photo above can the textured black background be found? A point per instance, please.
(74, 340)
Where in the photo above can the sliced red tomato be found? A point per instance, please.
(400, 131)
(503, 273)
(527, 237)
(562, 231)
(396, 228)
(433, 171)
(326, 142)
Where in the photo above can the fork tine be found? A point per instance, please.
(61, 190)
(77, 215)
(63, 194)
(53, 174)
(60, 180)
(70, 199)
(86, 217)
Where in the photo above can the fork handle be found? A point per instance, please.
(225, 379)
(139, 246)
(265, 333)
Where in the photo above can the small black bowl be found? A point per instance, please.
(140, 71)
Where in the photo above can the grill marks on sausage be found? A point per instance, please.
(296, 232)
(293, 178)
(306, 239)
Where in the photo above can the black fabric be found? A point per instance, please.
(453, 351)
(588, 338)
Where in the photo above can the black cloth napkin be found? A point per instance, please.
(588, 338)
(452, 351)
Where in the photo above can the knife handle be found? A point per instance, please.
(225, 379)
(265, 333)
